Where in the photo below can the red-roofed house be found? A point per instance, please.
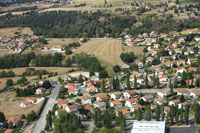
(15, 120)
(40, 90)
(62, 103)
(115, 104)
(71, 108)
(131, 102)
(102, 97)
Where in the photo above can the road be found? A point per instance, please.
(41, 122)
(89, 126)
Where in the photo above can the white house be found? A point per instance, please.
(131, 102)
(174, 102)
(27, 102)
(116, 95)
(71, 108)
(197, 38)
(183, 92)
(135, 107)
(102, 97)
(195, 93)
(163, 92)
(129, 94)
(86, 100)
(159, 100)
(62, 103)
(115, 104)
(100, 105)
(40, 90)
(147, 98)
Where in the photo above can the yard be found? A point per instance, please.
(10, 105)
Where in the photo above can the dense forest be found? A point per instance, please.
(96, 24)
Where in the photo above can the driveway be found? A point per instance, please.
(41, 122)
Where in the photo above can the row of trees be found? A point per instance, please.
(5, 74)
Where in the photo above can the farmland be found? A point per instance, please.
(9, 104)
(108, 51)
(9, 32)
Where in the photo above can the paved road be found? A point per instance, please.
(89, 126)
(40, 125)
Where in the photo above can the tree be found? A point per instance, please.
(187, 114)
(181, 115)
(103, 74)
(103, 86)
(175, 82)
(182, 98)
(114, 84)
(46, 84)
(117, 84)
(68, 62)
(148, 113)
(157, 113)
(2, 117)
(135, 82)
(177, 118)
(171, 86)
(139, 114)
(127, 57)
(68, 51)
(9, 82)
(31, 116)
(146, 81)
(167, 118)
(23, 80)
(162, 113)
(116, 68)
(157, 82)
(80, 78)
(128, 82)
(92, 73)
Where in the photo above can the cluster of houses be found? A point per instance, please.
(18, 44)
(165, 52)
(55, 49)
(129, 101)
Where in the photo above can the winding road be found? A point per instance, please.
(41, 122)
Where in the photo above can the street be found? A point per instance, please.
(41, 122)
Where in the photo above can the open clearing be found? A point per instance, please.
(108, 51)
(9, 104)
(9, 32)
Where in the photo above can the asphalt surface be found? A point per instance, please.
(41, 122)
(89, 126)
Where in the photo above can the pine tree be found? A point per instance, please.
(135, 82)
(103, 86)
(167, 118)
(187, 114)
(114, 84)
(117, 84)
(181, 115)
(157, 113)
(157, 82)
(162, 113)
(154, 79)
(2, 117)
(139, 114)
(182, 99)
(175, 82)
(128, 82)
(146, 81)
(148, 113)
(171, 86)
(177, 118)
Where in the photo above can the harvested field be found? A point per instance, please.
(107, 50)
(9, 32)
(137, 50)
(9, 105)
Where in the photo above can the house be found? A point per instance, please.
(68, 85)
(125, 66)
(147, 98)
(195, 93)
(183, 92)
(86, 100)
(174, 102)
(102, 97)
(58, 111)
(180, 69)
(73, 92)
(41, 82)
(163, 78)
(175, 45)
(129, 94)
(169, 63)
(181, 61)
(135, 73)
(190, 69)
(163, 93)
(92, 88)
(40, 90)
(100, 105)
(28, 101)
(89, 108)
(156, 45)
(139, 63)
(15, 120)
(9, 131)
(116, 95)
(183, 105)
(192, 60)
(159, 100)
(131, 102)
(62, 103)
(115, 104)
(71, 108)
(163, 58)
(197, 38)
(126, 113)
(135, 107)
